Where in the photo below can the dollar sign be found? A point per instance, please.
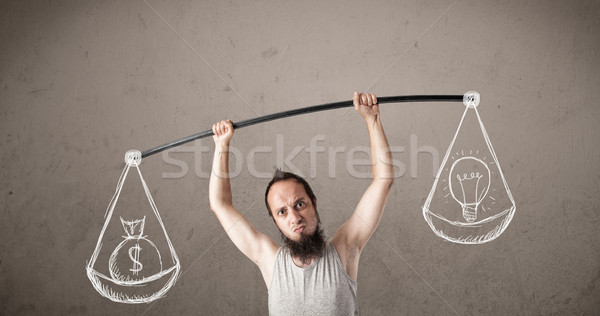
(135, 257)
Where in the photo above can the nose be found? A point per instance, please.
(295, 217)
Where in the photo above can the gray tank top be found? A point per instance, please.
(323, 288)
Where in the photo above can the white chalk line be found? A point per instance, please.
(368, 89)
(508, 212)
(408, 264)
(94, 276)
(207, 249)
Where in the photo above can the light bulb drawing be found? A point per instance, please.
(471, 176)
(141, 270)
(469, 202)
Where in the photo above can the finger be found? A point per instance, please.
(363, 99)
(222, 128)
(374, 98)
(369, 100)
(229, 124)
(214, 129)
(355, 100)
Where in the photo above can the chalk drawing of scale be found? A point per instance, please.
(471, 204)
(136, 270)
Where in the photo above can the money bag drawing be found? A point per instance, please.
(129, 264)
(469, 202)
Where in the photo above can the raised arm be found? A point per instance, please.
(255, 245)
(352, 236)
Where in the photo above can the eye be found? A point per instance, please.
(281, 212)
(300, 204)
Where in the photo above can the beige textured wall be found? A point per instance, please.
(81, 82)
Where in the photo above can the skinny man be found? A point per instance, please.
(310, 274)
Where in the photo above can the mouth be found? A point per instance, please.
(299, 229)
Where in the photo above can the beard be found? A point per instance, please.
(308, 247)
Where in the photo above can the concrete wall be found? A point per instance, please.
(81, 82)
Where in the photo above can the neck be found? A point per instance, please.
(301, 264)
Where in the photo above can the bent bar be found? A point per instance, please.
(310, 109)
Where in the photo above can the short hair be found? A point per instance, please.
(283, 175)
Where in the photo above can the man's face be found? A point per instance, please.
(292, 210)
